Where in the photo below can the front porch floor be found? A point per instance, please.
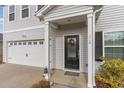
(68, 81)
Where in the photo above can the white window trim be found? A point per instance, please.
(114, 30)
(105, 46)
(115, 46)
(36, 8)
(21, 12)
(14, 13)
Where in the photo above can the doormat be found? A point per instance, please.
(71, 73)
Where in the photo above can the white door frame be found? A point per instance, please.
(79, 53)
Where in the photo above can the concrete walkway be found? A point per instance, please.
(19, 76)
(67, 81)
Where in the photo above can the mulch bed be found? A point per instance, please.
(100, 84)
(42, 84)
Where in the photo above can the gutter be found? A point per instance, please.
(93, 57)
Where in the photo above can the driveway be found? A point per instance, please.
(19, 76)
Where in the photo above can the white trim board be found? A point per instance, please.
(113, 30)
(44, 9)
(27, 28)
(37, 11)
(114, 46)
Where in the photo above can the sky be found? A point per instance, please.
(1, 19)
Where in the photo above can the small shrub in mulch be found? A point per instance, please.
(111, 74)
(42, 84)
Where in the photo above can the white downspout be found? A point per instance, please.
(94, 29)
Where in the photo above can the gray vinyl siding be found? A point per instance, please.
(25, 35)
(111, 18)
(20, 23)
(64, 10)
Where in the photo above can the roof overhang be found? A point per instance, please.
(44, 10)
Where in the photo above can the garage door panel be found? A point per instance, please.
(36, 54)
(15, 53)
(27, 53)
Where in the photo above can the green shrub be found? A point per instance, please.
(112, 72)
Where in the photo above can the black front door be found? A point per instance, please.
(72, 52)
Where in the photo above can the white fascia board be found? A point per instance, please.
(44, 10)
(37, 12)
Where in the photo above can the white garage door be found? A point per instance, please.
(29, 52)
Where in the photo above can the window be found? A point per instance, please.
(20, 43)
(29, 43)
(98, 46)
(39, 7)
(114, 44)
(25, 11)
(40, 42)
(35, 43)
(11, 13)
(24, 43)
(15, 43)
(11, 43)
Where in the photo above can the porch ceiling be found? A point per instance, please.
(70, 20)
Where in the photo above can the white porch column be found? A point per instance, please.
(47, 52)
(94, 63)
(90, 49)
